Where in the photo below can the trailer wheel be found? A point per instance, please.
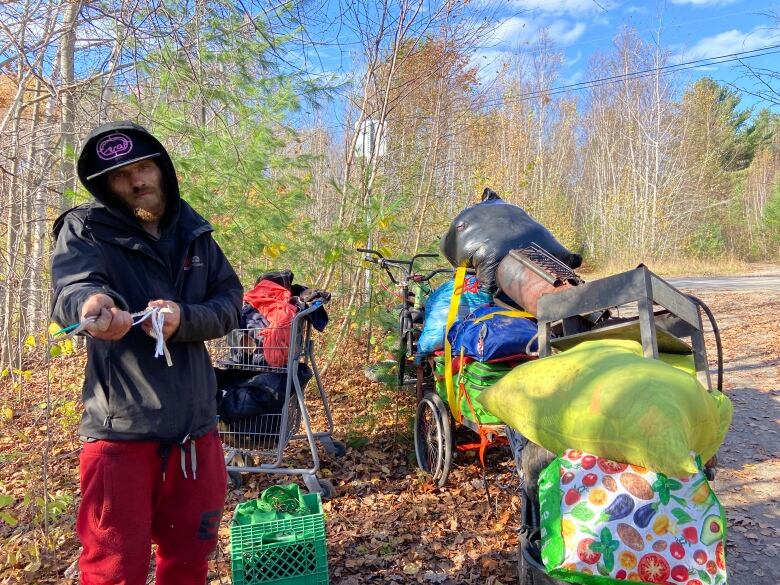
(433, 438)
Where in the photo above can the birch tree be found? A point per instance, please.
(629, 196)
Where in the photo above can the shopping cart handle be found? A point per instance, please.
(313, 306)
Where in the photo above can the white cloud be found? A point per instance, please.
(517, 32)
(565, 33)
(489, 62)
(705, 2)
(573, 61)
(636, 9)
(513, 31)
(576, 77)
(574, 7)
(731, 41)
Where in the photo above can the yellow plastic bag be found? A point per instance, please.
(681, 362)
(605, 398)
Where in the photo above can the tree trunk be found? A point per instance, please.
(68, 101)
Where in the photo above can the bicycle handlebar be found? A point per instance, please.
(405, 265)
(431, 274)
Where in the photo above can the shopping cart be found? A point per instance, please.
(281, 361)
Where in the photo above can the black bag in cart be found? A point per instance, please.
(243, 397)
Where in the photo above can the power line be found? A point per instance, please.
(593, 83)
(715, 60)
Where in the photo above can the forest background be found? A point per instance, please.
(639, 164)
(636, 165)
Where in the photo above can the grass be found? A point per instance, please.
(673, 267)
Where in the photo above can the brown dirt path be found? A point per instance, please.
(748, 479)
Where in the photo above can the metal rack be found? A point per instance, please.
(662, 330)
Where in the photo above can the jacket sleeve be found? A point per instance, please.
(220, 312)
(78, 270)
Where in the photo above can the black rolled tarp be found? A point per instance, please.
(483, 234)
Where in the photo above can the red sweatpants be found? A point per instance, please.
(126, 505)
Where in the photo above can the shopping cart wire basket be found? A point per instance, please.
(283, 359)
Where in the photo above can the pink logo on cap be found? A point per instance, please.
(114, 145)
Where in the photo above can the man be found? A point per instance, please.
(151, 466)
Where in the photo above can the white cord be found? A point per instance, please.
(530, 343)
(157, 317)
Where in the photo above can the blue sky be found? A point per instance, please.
(689, 29)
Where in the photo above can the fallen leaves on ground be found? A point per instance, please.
(388, 523)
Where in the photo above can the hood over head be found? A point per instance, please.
(114, 145)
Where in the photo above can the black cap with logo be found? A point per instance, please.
(116, 147)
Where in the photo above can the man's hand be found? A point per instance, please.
(111, 322)
(172, 318)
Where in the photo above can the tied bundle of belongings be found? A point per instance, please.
(491, 333)
(484, 345)
(487, 345)
(604, 523)
(605, 398)
(437, 308)
(479, 238)
(263, 338)
(278, 502)
(483, 234)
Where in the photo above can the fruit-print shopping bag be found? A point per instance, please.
(604, 522)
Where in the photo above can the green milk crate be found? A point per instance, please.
(289, 551)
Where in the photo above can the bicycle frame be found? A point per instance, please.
(406, 281)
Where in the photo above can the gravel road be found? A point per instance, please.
(747, 309)
(750, 283)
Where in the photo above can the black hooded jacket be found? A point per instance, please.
(101, 248)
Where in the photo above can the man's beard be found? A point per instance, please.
(153, 212)
(149, 215)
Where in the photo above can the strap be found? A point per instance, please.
(455, 408)
(457, 291)
(507, 313)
